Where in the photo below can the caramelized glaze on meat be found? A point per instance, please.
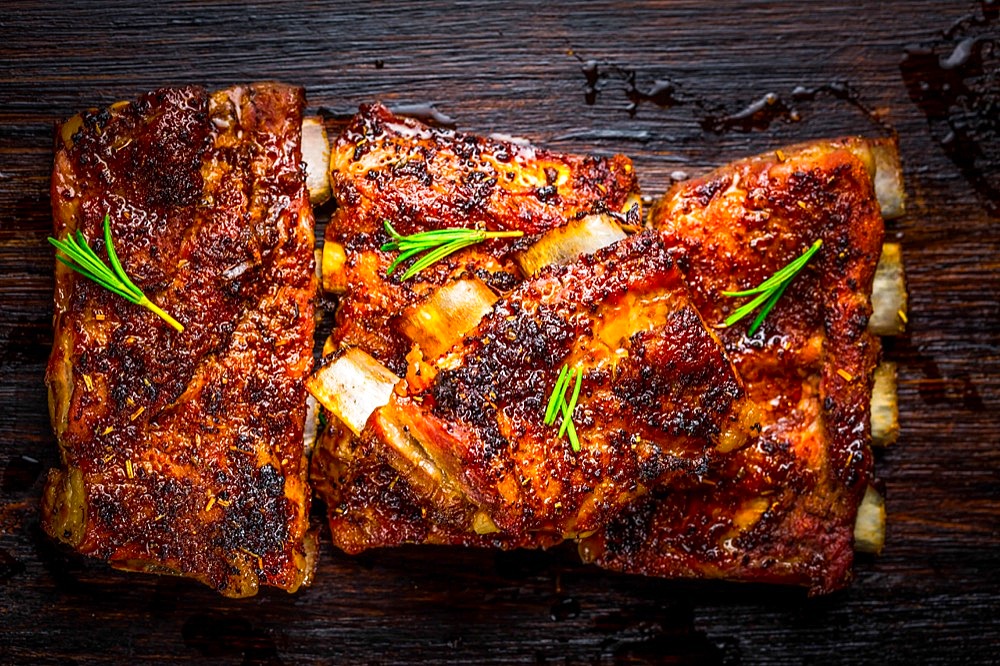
(385, 167)
(390, 168)
(183, 452)
(370, 505)
(659, 400)
(781, 509)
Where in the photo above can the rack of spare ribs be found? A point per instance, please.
(705, 452)
(699, 449)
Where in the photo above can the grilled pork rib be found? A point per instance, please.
(440, 463)
(419, 178)
(461, 455)
(781, 509)
(659, 400)
(183, 452)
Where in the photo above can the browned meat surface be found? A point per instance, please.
(370, 505)
(385, 167)
(659, 400)
(183, 452)
(781, 509)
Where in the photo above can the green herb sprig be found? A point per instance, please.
(769, 291)
(557, 403)
(83, 260)
(438, 244)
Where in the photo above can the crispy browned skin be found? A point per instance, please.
(659, 400)
(781, 509)
(183, 452)
(385, 167)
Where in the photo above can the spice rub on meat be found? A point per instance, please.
(418, 178)
(782, 509)
(658, 401)
(440, 462)
(183, 452)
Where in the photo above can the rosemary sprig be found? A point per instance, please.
(769, 291)
(438, 244)
(83, 260)
(557, 403)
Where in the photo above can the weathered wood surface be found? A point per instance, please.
(522, 69)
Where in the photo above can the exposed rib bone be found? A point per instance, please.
(889, 298)
(564, 244)
(889, 188)
(885, 410)
(869, 528)
(352, 386)
(449, 313)
(316, 156)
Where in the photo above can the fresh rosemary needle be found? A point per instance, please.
(83, 260)
(438, 244)
(557, 404)
(769, 291)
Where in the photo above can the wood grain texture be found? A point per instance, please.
(521, 69)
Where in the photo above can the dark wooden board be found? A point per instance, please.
(522, 69)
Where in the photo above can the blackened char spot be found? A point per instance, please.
(414, 168)
(504, 369)
(271, 481)
(546, 193)
(467, 147)
(256, 520)
(498, 281)
(477, 188)
(626, 535)
(707, 191)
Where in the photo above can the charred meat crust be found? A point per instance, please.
(389, 168)
(657, 394)
(782, 509)
(385, 167)
(188, 446)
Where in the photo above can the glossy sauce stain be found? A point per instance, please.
(955, 81)
(716, 117)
